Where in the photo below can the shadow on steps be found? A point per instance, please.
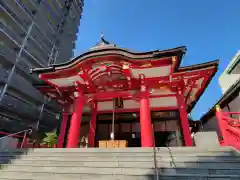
(197, 166)
(8, 155)
(128, 164)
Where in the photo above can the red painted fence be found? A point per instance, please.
(229, 127)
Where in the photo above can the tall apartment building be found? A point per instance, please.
(33, 33)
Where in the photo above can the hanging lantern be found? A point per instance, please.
(118, 102)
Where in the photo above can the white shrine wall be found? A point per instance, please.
(131, 104)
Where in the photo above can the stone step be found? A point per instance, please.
(120, 170)
(127, 154)
(12, 154)
(198, 159)
(132, 158)
(127, 163)
(118, 154)
(121, 150)
(44, 176)
(7, 159)
(112, 164)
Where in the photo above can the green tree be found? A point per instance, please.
(50, 139)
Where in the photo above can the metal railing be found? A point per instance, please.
(26, 132)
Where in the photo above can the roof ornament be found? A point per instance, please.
(102, 43)
(102, 40)
(102, 36)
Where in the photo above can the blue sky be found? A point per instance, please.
(209, 28)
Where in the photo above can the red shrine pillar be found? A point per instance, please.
(63, 128)
(74, 130)
(184, 118)
(147, 139)
(92, 128)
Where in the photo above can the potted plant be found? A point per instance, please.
(50, 139)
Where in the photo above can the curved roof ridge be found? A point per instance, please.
(154, 52)
(111, 50)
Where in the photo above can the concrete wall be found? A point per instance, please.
(212, 123)
(226, 80)
(235, 106)
(206, 139)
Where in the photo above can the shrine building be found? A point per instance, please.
(110, 93)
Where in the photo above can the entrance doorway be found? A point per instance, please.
(122, 131)
(166, 127)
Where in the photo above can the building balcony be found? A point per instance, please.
(3, 76)
(16, 8)
(24, 87)
(39, 44)
(26, 15)
(8, 56)
(57, 6)
(9, 34)
(13, 104)
(42, 52)
(48, 118)
(6, 9)
(52, 13)
(23, 70)
(34, 54)
(75, 10)
(21, 29)
(46, 41)
(12, 20)
(53, 106)
(12, 41)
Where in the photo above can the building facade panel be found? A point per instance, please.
(33, 34)
(231, 74)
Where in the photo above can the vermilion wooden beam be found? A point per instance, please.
(63, 128)
(150, 83)
(93, 123)
(155, 82)
(194, 72)
(147, 137)
(75, 124)
(152, 63)
(87, 79)
(111, 95)
(133, 110)
(184, 118)
(71, 71)
(128, 76)
(190, 84)
(126, 95)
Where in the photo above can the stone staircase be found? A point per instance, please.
(120, 164)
